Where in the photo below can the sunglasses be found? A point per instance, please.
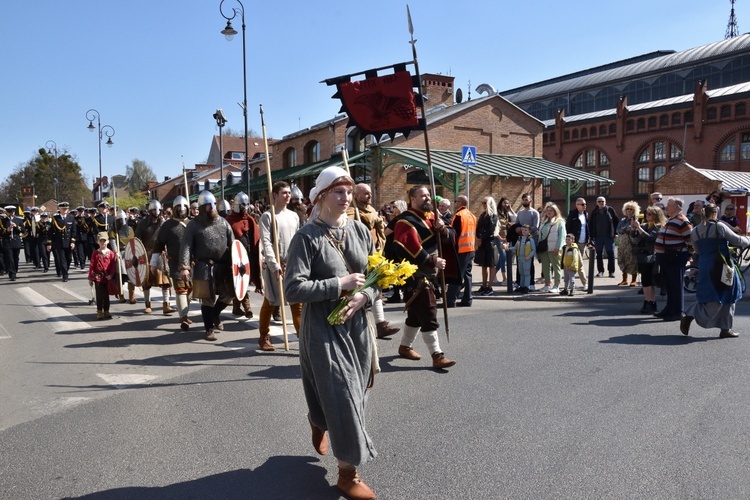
(657, 198)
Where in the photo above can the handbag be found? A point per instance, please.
(722, 273)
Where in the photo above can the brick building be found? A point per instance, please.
(633, 121)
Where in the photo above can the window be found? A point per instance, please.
(579, 162)
(726, 111)
(745, 147)
(652, 122)
(604, 186)
(612, 129)
(645, 155)
(641, 123)
(237, 156)
(592, 132)
(644, 178)
(740, 109)
(676, 118)
(584, 133)
(290, 157)
(575, 134)
(728, 152)
(591, 158)
(711, 114)
(602, 130)
(603, 159)
(546, 188)
(659, 172)
(660, 151)
(630, 125)
(664, 121)
(312, 152)
(675, 153)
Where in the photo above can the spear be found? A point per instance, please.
(413, 43)
(274, 229)
(345, 159)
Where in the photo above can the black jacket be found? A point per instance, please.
(573, 226)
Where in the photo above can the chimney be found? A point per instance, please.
(438, 89)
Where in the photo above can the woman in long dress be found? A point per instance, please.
(626, 257)
(328, 258)
(714, 306)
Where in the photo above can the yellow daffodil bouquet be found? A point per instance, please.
(381, 272)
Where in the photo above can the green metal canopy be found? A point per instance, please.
(566, 179)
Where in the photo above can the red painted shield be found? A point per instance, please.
(136, 262)
(240, 269)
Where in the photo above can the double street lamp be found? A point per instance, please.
(229, 33)
(52, 146)
(220, 122)
(105, 130)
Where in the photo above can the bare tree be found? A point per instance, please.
(138, 175)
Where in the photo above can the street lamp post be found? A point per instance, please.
(105, 130)
(221, 121)
(52, 146)
(229, 33)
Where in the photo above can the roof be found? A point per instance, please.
(732, 90)
(496, 164)
(260, 183)
(731, 181)
(687, 57)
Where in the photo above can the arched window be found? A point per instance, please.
(676, 118)
(602, 130)
(664, 121)
(575, 134)
(312, 152)
(741, 143)
(290, 157)
(598, 162)
(651, 163)
(585, 133)
(740, 109)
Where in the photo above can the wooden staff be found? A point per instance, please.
(274, 230)
(117, 242)
(413, 43)
(187, 190)
(345, 159)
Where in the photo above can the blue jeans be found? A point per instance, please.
(465, 261)
(608, 244)
(501, 261)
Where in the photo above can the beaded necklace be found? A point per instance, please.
(337, 242)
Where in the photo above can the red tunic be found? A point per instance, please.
(102, 266)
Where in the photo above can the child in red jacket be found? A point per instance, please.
(101, 272)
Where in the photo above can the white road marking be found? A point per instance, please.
(72, 293)
(4, 333)
(125, 380)
(60, 320)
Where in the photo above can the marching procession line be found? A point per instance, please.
(59, 318)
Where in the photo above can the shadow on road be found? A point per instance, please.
(643, 339)
(279, 477)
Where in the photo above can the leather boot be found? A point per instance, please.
(210, 335)
(440, 361)
(236, 311)
(167, 308)
(218, 325)
(122, 299)
(352, 486)
(184, 323)
(646, 307)
(148, 307)
(408, 353)
(319, 439)
(131, 294)
(385, 329)
(685, 324)
(624, 281)
(632, 280)
(264, 341)
(246, 307)
(106, 315)
(98, 314)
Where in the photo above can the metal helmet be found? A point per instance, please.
(206, 198)
(154, 205)
(240, 199)
(181, 200)
(121, 215)
(224, 206)
(296, 193)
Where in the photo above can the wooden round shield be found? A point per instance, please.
(136, 262)
(240, 269)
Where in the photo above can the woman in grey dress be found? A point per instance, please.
(714, 306)
(328, 258)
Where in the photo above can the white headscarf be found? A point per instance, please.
(325, 181)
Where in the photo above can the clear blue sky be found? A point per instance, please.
(157, 70)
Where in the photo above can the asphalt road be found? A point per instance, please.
(551, 397)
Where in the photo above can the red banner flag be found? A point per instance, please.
(381, 105)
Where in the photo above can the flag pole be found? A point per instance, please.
(345, 159)
(413, 43)
(274, 230)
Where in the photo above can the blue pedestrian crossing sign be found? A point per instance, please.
(469, 156)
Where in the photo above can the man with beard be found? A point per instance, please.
(287, 224)
(169, 237)
(528, 216)
(362, 206)
(246, 230)
(297, 205)
(146, 232)
(125, 233)
(207, 242)
(62, 239)
(415, 239)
